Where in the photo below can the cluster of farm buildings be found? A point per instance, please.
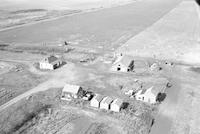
(70, 92)
(122, 64)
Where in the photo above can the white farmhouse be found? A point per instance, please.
(50, 63)
(123, 64)
(116, 105)
(149, 95)
(95, 102)
(70, 91)
(105, 103)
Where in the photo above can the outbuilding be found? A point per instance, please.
(50, 62)
(96, 100)
(149, 95)
(105, 103)
(123, 64)
(70, 91)
(116, 105)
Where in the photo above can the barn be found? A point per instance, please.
(123, 64)
(105, 103)
(96, 100)
(50, 62)
(116, 105)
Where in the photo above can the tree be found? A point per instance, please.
(161, 97)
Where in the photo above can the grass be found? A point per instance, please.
(23, 115)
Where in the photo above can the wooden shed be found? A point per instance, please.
(96, 100)
(116, 105)
(105, 103)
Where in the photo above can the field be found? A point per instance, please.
(33, 104)
(44, 113)
(15, 78)
(173, 37)
(13, 15)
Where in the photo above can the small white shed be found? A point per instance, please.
(105, 103)
(95, 102)
(70, 91)
(116, 105)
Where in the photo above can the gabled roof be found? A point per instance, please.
(117, 102)
(125, 60)
(98, 97)
(143, 91)
(71, 88)
(107, 100)
(51, 59)
(154, 89)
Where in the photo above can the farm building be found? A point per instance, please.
(129, 64)
(50, 63)
(124, 64)
(149, 95)
(95, 102)
(70, 91)
(105, 103)
(116, 105)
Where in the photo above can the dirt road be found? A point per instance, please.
(57, 80)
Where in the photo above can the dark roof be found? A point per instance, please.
(143, 91)
(98, 97)
(51, 59)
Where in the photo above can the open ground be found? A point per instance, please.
(93, 38)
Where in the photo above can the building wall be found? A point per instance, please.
(121, 66)
(147, 97)
(44, 65)
(94, 103)
(104, 106)
(114, 108)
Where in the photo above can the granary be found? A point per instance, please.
(149, 95)
(105, 103)
(123, 64)
(96, 100)
(50, 62)
(116, 105)
(70, 91)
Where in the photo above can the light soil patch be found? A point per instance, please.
(172, 37)
(5, 67)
